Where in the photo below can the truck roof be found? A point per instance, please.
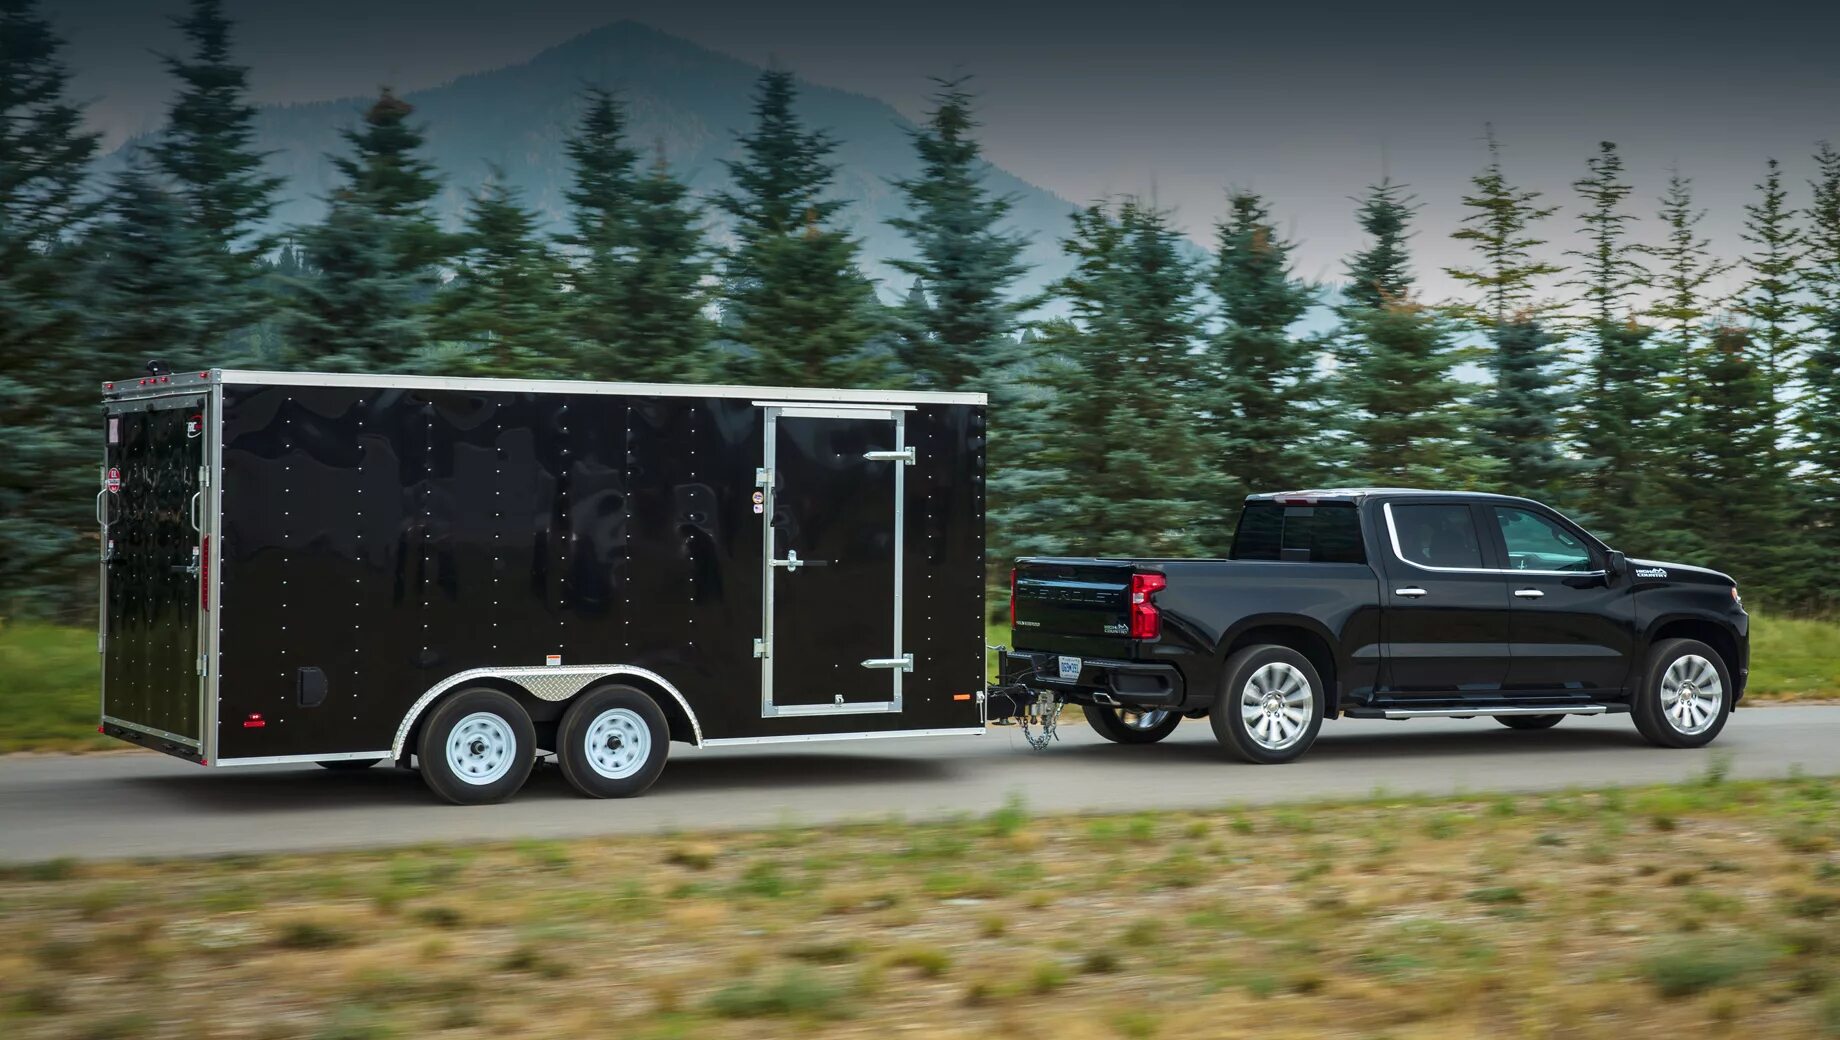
(1356, 494)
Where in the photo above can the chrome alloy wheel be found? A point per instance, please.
(618, 743)
(481, 748)
(1142, 720)
(1275, 706)
(1691, 694)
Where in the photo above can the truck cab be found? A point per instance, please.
(1382, 603)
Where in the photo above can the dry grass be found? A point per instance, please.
(1710, 909)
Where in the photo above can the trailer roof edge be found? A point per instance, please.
(562, 386)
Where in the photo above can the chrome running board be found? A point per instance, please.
(1449, 713)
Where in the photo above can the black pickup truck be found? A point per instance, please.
(1382, 603)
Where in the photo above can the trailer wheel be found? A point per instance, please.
(612, 742)
(477, 747)
(1131, 727)
(1270, 705)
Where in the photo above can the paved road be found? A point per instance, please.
(144, 804)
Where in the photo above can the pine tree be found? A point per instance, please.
(208, 152)
(144, 277)
(1818, 410)
(1519, 422)
(1740, 511)
(1260, 382)
(600, 212)
(49, 377)
(793, 295)
(374, 256)
(505, 300)
(1685, 268)
(1395, 361)
(1769, 298)
(1617, 415)
(957, 328)
(662, 294)
(1122, 445)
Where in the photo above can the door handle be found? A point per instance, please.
(793, 563)
(905, 662)
(1410, 591)
(102, 511)
(903, 455)
(1528, 593)
(193, 511)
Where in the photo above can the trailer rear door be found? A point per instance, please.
(832, 489)
(152, 506)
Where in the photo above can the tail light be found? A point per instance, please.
(1012, 597)
(1146, 620)
(204, 574)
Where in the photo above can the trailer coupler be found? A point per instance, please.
(1037, 712)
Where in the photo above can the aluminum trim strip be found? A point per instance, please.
(150, 731)
(1445, 713)
(592, 672)
(280, 760)
(806, 738)
(563, 386)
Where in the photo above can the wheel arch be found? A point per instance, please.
(1296, 632)
(1714, 634)
(553, 686)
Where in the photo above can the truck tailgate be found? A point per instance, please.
(1081, 598)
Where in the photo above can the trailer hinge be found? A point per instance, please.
(202, 657)
(761, 649)
(904, 455)
(763, 477)
(905, 662)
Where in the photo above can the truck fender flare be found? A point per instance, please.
(544, 683)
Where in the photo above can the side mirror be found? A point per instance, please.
(1618, 565)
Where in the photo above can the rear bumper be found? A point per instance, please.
(1101, 681)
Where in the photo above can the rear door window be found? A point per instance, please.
(1300, 534)
(1437, 535)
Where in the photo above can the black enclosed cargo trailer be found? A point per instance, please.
(461, 573)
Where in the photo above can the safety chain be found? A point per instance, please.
(1047, 710)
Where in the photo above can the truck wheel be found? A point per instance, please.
(612, 742)
(1685, 696)
(1123, 726)
(1529, 721)
(1270, 705)
(477, 747)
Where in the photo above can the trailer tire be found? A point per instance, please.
(477, 747)
(1272, 682)
(612, 742)
(1149, 727)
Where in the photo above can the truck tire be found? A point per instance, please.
(477, 747)
(1530, 721)
(612, 742)
(1270, 705)
(1133, 727)
(1685, 695)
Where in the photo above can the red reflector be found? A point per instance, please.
(254, 721)
(1146, 620)
(1012, 597)
(204, 574)
(101, 729)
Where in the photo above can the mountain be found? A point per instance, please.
(680, 97)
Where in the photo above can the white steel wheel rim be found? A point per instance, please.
(481, 748)
(1275, 705)
(1142, 720)
(618, 743)
(1691, 694)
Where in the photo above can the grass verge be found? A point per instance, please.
(1706, 909)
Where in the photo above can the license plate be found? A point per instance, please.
(1069, 668)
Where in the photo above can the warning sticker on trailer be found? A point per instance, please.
(114, 481)
(114, 429)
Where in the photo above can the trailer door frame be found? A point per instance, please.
(898, 661)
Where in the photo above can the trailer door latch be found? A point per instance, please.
(905, 662)
(760, 648)
(904, 455)
(763, 477)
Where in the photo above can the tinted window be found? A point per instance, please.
(1316, 534)
(1437, 535)
(1538, 544)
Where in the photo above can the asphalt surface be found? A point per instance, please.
(143, 804)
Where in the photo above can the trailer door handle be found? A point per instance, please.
(101, 508)
(905, 662)
(193, 511)
(904, 455)
(793, 563)
(1410, 592)
(1528, 593)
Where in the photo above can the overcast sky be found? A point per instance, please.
(1306, 102)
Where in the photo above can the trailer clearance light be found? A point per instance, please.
(1146, 620)
(254, 721)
